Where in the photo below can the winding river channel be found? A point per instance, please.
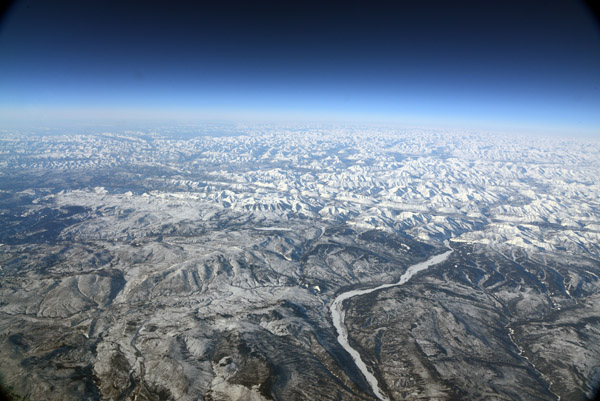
(338, 313)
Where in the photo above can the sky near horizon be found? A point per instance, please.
(510, 64)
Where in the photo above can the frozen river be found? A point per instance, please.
(337, 315)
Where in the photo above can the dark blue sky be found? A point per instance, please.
(489, 64)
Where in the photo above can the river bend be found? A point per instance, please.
(338, 314)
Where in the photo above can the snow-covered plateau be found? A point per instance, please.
(148, 266)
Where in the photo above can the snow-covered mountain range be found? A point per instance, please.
(140, 265)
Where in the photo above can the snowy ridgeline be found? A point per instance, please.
(540, 194)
